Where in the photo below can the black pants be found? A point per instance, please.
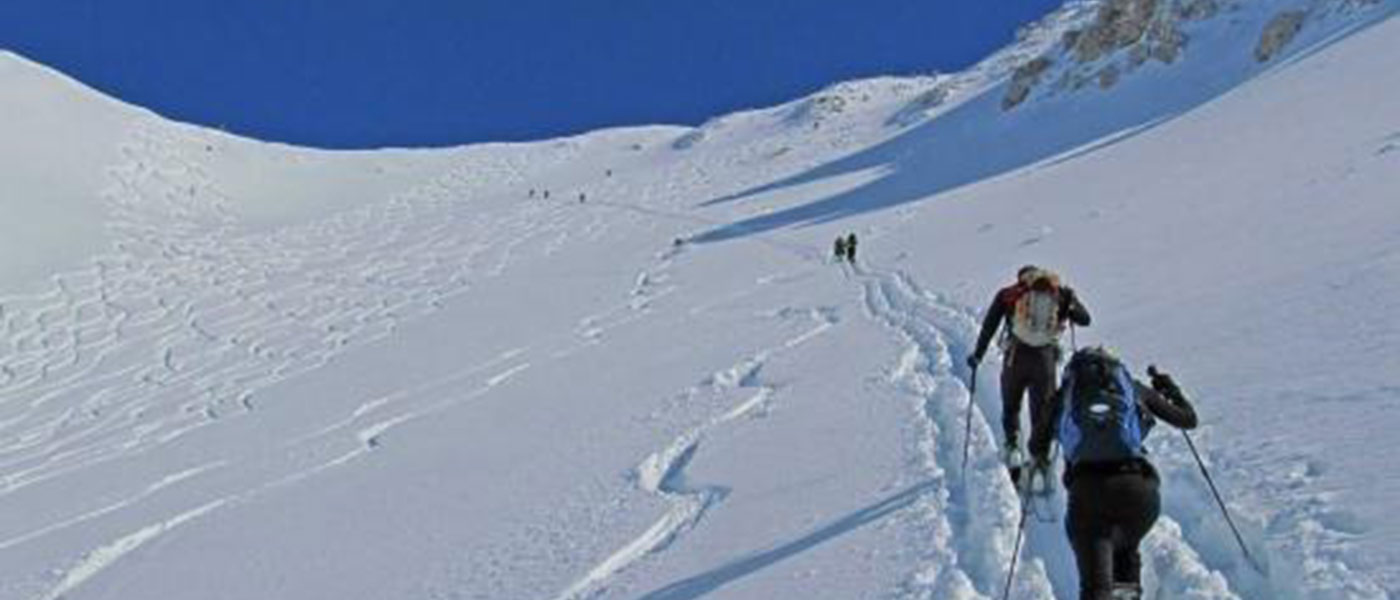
(1109, 514)
(1026, 368)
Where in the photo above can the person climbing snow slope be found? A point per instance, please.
(1035, 310)
(1100, 416)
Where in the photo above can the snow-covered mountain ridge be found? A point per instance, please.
(234, 369)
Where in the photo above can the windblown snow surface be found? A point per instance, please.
(233, 369)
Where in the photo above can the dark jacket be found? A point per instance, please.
(1165, 402)
(1000, 312)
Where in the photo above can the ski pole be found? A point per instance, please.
(1155, 374)
(1016, 547)
(967, 429)
(1224, 511)
(1210, 481)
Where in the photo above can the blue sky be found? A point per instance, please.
(372, 73)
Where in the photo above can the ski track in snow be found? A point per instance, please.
(101, 558)
(967, 520)
(662, 473)
(231, 312)
(189, 316)
(150, 490)
(227, 312)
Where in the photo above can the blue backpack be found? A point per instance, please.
(1101, 420)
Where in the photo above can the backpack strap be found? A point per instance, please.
(1010, 294)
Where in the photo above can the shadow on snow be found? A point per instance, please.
(976, 140)
(709, 581)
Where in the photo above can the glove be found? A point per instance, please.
(972, 361)
(1163, 383)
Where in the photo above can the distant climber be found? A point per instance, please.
(839, 248)
(1100, 415)
(851, 248)
(1035, 310)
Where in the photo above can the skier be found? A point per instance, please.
(1100, 416)
(851, 248)
(840, 248)
(1035, 310)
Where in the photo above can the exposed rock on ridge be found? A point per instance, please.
(1280, 30)
(1125, 35)
(1145, 29)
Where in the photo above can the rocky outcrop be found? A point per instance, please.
(932, 98)
(1119, 24)
(1149, 27)
(1123, 35)
(1277, 33)
(1025, 78)
(1107, 46)
(818, 108)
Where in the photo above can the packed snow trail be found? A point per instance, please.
(971, 517)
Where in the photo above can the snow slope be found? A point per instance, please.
(232, 369)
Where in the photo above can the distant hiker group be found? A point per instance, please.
(1098, 415)
(845, 248)
(582, 196)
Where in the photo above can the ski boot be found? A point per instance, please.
(1038, 482)
(1037, 491)
(1013, 459)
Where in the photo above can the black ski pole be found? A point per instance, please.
(1016, 547)
(967, 429)
(1210, 481)
(1224, 511)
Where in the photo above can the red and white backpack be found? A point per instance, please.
(1034, 308)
